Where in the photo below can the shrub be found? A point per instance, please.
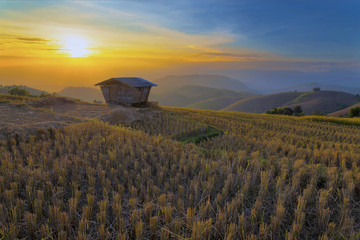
(354, 112)
(298, 111)
(18, 91)
(286, 111)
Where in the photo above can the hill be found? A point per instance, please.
(176, 173)
(198, 97)
(268, 81)
(260, 104)
(218, 103)
(344, 111)
(33, 91)
(214, 81)
(322, 101)
(88, 94)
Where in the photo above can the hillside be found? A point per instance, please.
(218, 103)
(260, 104)
(198, 97)
(343, 112)
(214, 81)
(88, 94)
(322, 101)
(176, 173)
(33, 91)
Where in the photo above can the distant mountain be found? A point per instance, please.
(268, 81)
(214, 81)
(33, 91)
(322, 101)
(199, 97)
(309, 86)
(84, 93)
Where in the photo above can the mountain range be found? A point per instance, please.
(217, 92)
(267, 81)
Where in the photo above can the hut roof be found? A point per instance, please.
(131, 81)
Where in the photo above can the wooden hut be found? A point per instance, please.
(126, 90)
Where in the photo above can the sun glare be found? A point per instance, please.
(77, 46)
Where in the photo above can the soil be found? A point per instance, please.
(28, 117)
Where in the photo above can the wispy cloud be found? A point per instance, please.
(236, 55)
(33, 39)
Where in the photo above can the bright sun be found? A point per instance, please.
(77, 46)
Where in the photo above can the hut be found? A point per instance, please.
(127, 91)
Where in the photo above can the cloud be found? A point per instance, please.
(54, 49)
(237, 55)
(33, 39)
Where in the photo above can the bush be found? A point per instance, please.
(18, 91)
(287, 111)
(298, 111)
(317, 113)
(354, 112)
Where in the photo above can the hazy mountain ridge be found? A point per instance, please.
(308, 86)
(84, 93)
(190, 96)
(273, 81)
(205, 80)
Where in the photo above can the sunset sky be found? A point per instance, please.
(50, 45)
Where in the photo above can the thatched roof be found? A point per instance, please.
(130, 81)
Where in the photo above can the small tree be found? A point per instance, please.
(288, 111)
(298, 111)
(317, 113)
(316, 89)
(18, 91)
(354, 112)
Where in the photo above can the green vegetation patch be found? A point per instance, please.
(301, 97)
(341, 121)
(208, 133)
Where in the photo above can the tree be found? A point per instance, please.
(317, 113)
(316, 89)
(354, 112)
(18, 91)
(288, 111)
(298, 111)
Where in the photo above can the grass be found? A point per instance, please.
(210, 132)
(301, 97)
(336, 120)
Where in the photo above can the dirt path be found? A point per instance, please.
(27, 117)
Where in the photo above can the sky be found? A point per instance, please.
(53, 44)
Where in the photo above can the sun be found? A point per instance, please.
(77, 46)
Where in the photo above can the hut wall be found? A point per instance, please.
(105, 92)
(145, 94)
(120, 93)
